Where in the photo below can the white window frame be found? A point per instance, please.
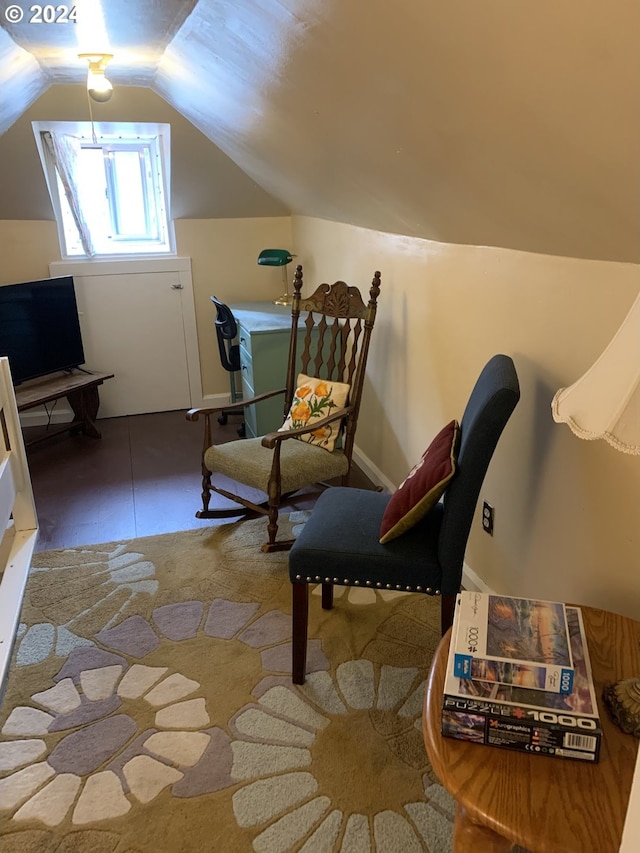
(152, 141)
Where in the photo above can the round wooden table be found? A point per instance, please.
(546, 804)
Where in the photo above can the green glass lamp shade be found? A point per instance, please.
(275, 257)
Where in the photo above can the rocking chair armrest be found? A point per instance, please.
(194, 414)
(272, 438)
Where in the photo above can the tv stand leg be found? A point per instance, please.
(84, 403)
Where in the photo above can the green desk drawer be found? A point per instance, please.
(246, 366)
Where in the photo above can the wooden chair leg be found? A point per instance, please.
(206, 474)
(205, 494)
(300, 625)
(272, 526)
(327, 596)
(447, 606)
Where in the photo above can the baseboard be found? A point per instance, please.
(472, 581)
(372, 471)
(40, 417)
(214, 401)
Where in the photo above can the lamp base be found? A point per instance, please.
(285, 299)
(623, 701)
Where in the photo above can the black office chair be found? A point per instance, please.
(226, 333)
(340, 543)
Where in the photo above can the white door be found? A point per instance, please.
(138, 322)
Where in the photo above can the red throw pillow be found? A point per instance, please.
(423, 486)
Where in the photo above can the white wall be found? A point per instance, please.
(567, 513)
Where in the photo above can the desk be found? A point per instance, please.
(81, 391)
(548, 805)
(264, 332)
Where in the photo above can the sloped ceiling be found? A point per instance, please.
(482, 122)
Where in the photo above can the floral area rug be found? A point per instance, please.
(150, 708)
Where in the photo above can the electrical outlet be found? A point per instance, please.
(487, 518)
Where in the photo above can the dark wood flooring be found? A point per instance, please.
(140, 479)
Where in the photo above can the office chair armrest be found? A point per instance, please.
(272, 438)
(194, 414)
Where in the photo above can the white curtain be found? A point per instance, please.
(64, 152)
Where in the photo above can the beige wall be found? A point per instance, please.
(224, 263)
(567, 513)
(27, 247)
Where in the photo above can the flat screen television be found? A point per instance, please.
(39, 327)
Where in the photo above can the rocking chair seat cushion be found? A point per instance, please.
(340, 543)
(301, 464)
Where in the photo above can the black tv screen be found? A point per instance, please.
(39, 327)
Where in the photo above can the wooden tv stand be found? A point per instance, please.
(81, 391)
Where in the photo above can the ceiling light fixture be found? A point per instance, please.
(98, 87)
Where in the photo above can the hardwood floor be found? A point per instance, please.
(141, 478)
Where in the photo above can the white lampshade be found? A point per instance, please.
(605, 402)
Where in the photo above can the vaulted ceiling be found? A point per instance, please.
(488, 122)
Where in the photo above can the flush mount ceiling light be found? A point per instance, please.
(98, 87)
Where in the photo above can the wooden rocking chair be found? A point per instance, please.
(336, 328)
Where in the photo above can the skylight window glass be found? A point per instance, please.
(130, 219)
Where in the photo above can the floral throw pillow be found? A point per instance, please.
(315, 399)
(423, 485)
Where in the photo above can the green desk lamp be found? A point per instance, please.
(278, 258)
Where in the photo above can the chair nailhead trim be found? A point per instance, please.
(378, 584)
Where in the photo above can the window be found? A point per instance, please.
(108, 186)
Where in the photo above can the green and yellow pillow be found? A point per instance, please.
(313, 400)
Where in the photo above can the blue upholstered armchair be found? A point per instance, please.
(340, 544)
